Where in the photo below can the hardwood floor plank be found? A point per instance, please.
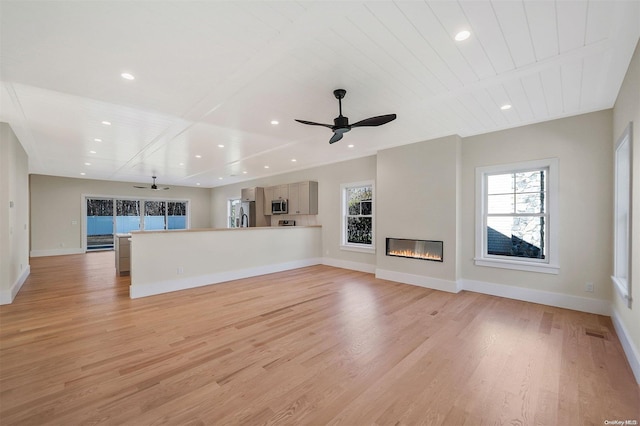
(317, 345)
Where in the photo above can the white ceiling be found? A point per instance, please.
(212, 72)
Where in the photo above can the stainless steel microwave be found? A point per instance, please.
(279, 207)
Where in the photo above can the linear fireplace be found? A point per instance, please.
(415, 249)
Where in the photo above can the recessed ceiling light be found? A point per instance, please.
(220, 146)
(274, 122)
(266, 167)
(87, 164)
(505, 107)
(82, 173)
(97, 140)
(181, 164)
(462, 35)
(244, 172)
(127, 76)
(220, 178)
(106, 123)
(198, 184)
(198, 156)
(92, 152)
(293, 160)
(349, 146)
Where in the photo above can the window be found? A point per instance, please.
(176, 215)
(233, 213)
(516, 216)
(357, 217)
(154, 215)
(127, 216)
(622, 216)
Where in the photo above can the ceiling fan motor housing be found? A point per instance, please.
(341, 122)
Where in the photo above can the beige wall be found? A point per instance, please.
(582, 145)
(627, 109)
(56, 208)
(329, 179)
(14, 214)
(418, 188)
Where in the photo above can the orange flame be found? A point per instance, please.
(411, 253)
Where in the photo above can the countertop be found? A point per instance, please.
(224, 229)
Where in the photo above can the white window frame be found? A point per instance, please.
(623, 188)
(551, 263)
(344, 245)
(230, 203)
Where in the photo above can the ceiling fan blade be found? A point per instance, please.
(375, 121)
(335, 138)
(141, 187)
(311, 123)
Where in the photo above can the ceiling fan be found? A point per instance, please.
(341, 124)
(153, 186)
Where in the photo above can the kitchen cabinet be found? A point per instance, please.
(303, 198)
(123, 253)
(248, 194)
(281, 192)
(268, 196)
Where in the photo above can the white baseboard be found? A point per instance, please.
(136, 291)
(419, 280)
(583, 304)
(56, 252)
(345, 264)
(627, 344)
(7, 296)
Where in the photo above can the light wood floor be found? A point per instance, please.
(317, 345)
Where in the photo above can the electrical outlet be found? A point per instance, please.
(588, 287)
(180, 270)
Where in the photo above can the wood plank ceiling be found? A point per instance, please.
(217, 73)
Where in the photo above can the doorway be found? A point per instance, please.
(100, 226)
(106, 217)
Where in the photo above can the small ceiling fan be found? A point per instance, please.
(153, 186)
(341, 124)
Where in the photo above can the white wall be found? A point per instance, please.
(329, 179)
(56, 209)
(582, 145)
(14, 214)
(165, 261)
(627, 109)
(417, 198)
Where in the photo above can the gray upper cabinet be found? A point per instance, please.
(303, 198)
(248, 194)
(281, 192)
(268, 197)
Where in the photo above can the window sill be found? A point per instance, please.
(359, 249)
(543, 268)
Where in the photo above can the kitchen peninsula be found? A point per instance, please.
(165, 261)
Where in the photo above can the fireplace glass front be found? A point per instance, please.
(415, 249)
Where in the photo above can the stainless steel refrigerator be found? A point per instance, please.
(247, 214)
(251, 212)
